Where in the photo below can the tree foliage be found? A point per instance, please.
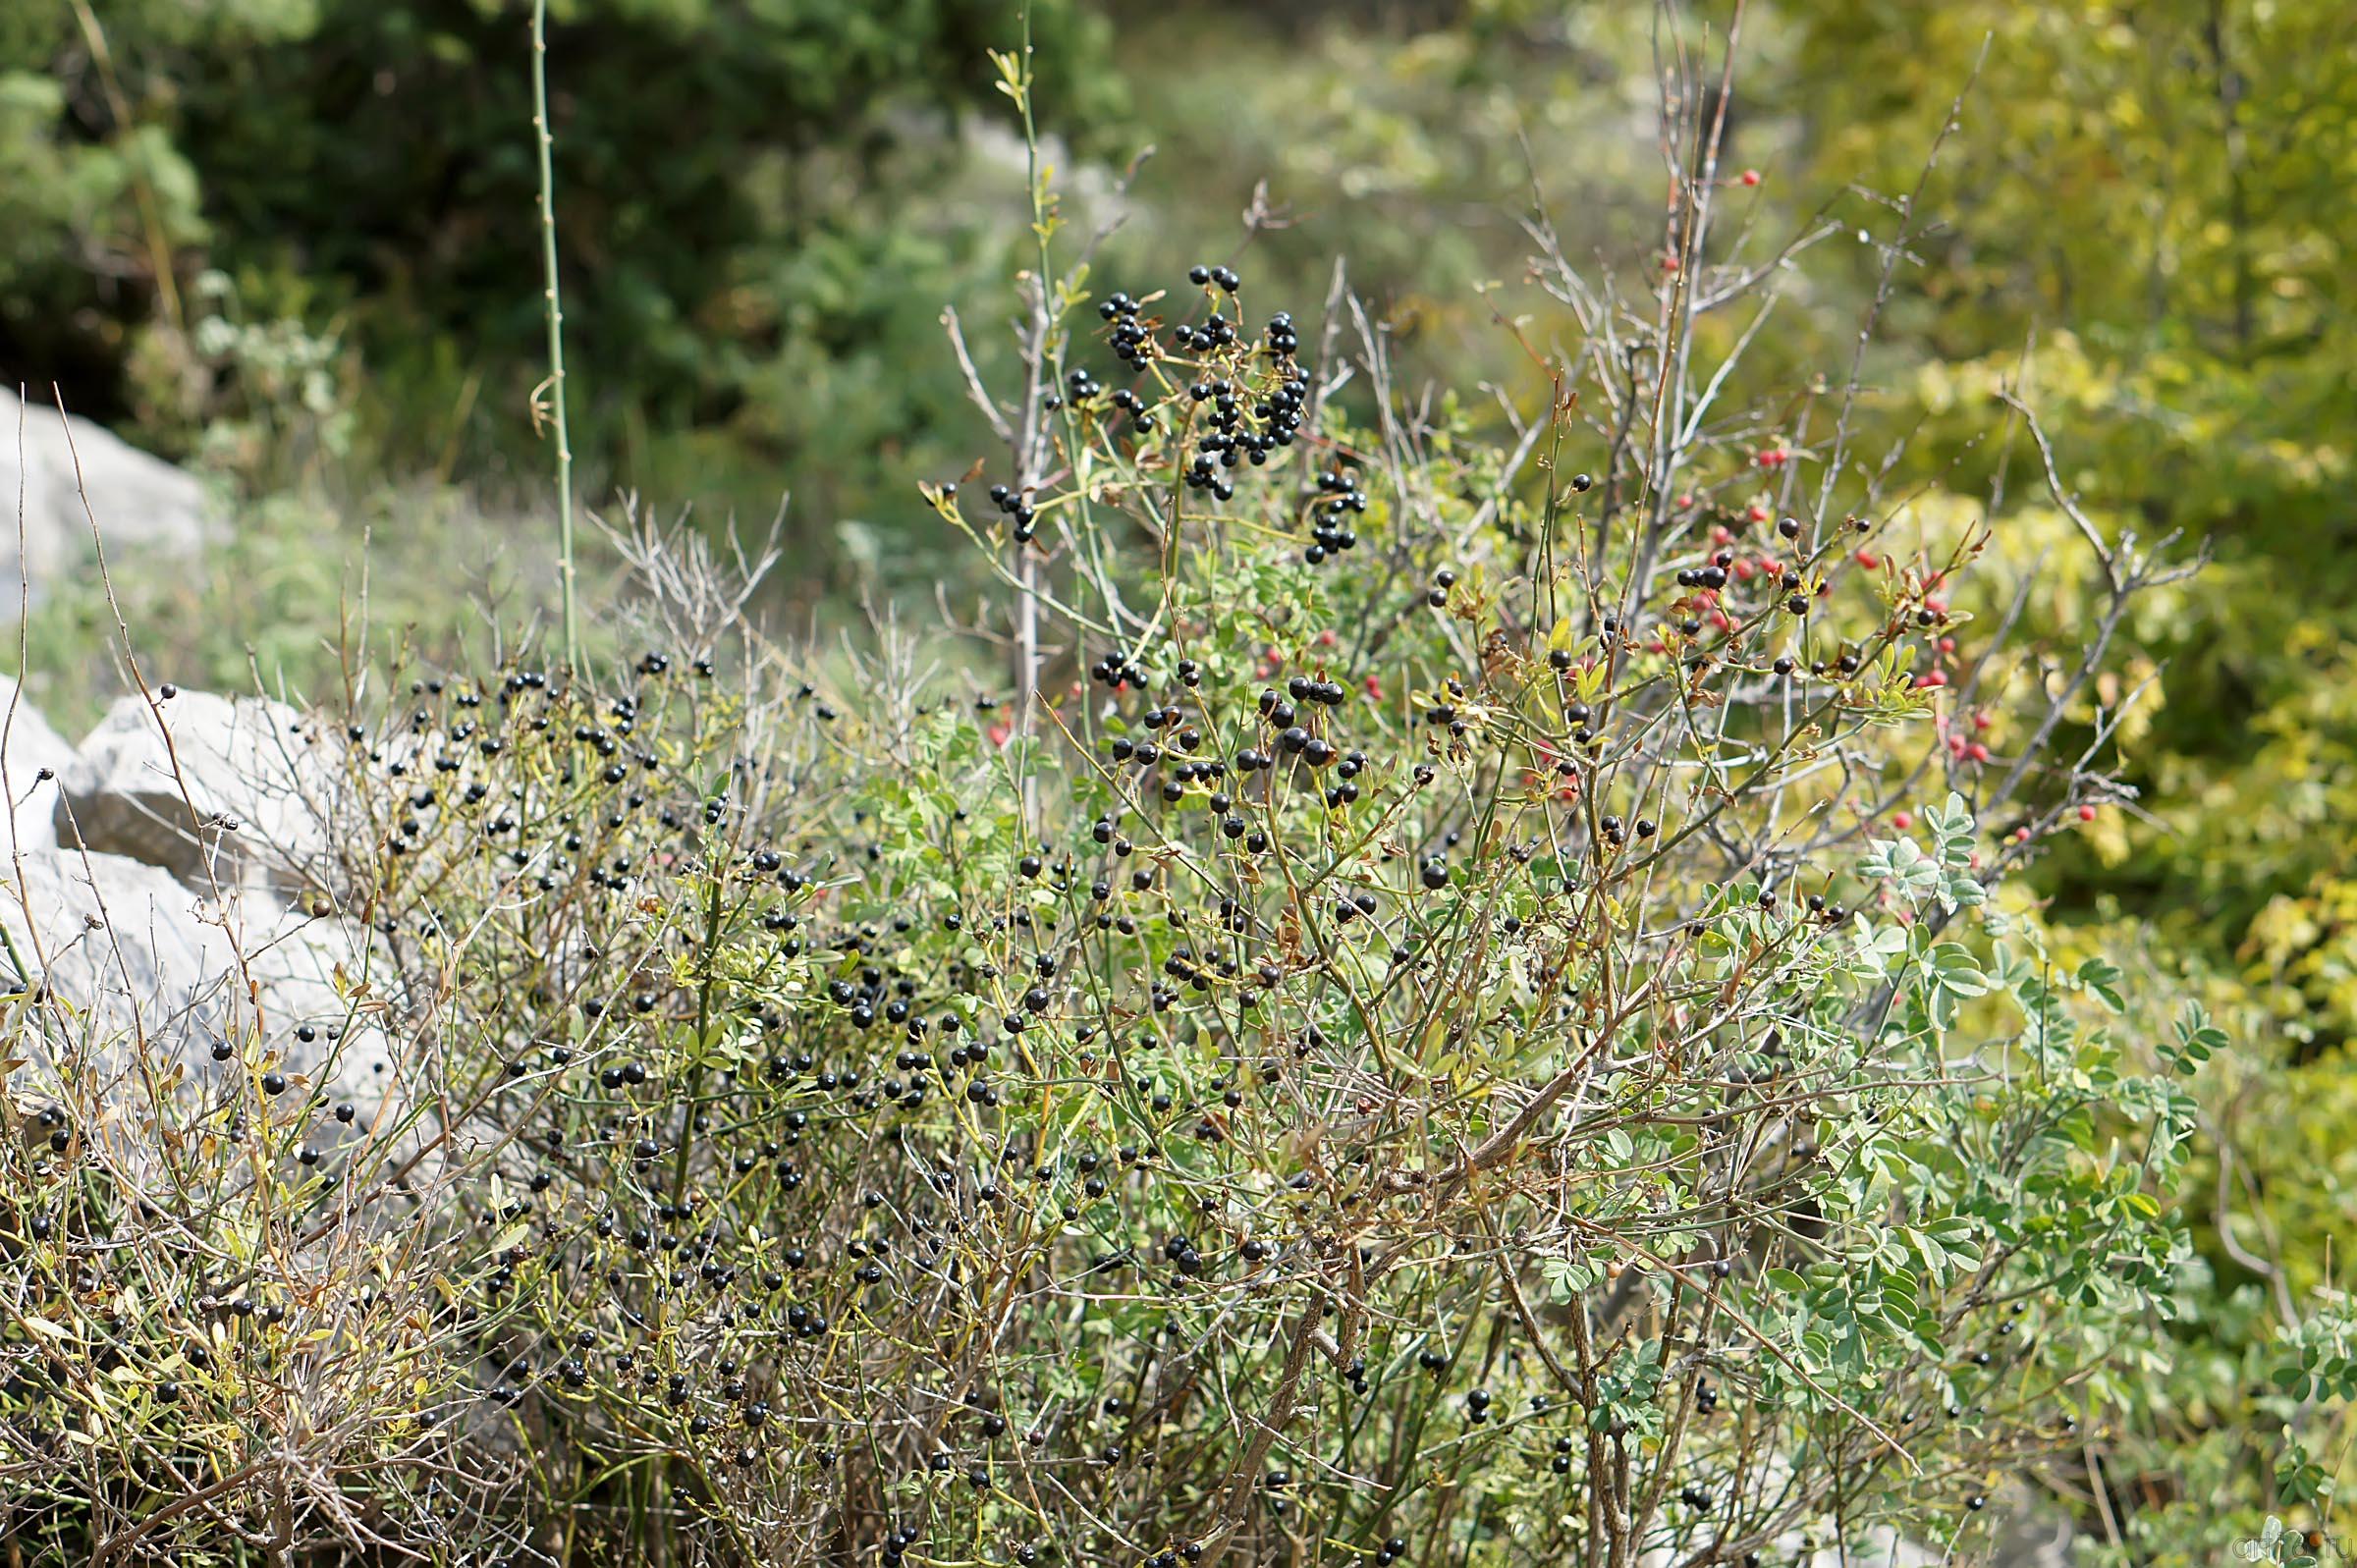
(365, 170)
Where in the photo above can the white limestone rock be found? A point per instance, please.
(141, 502)
(120, 947)
(28, 745)
(225, 794)
(132, 977)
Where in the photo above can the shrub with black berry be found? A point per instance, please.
(1463, 1008)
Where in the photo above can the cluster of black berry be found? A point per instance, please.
(1082, 384)
(1013, 504)
(1119, 669)
(1132, 339)
(1712, 576)
(1255, 412)
(1217, 333)
(1328, 533)
(1242, 437)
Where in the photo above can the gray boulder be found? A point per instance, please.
(2032, 1530)
(28, 745)
(320, 976)
(141, 502)
(130, 979)
(225, 794)
(112, 949)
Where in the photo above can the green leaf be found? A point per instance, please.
(2102, 978)
(1954, 968)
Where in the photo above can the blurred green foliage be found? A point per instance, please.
(2143, 232)
(364, 168)
(2155, 192)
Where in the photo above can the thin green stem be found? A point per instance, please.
(556, 331)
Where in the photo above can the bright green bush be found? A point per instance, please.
(2193, 333)
(2149, 245)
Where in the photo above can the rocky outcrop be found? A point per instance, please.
(132, 979)
(140, 503)
(32, 756)
(113, 949)
(228, 794)
(167, 917)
